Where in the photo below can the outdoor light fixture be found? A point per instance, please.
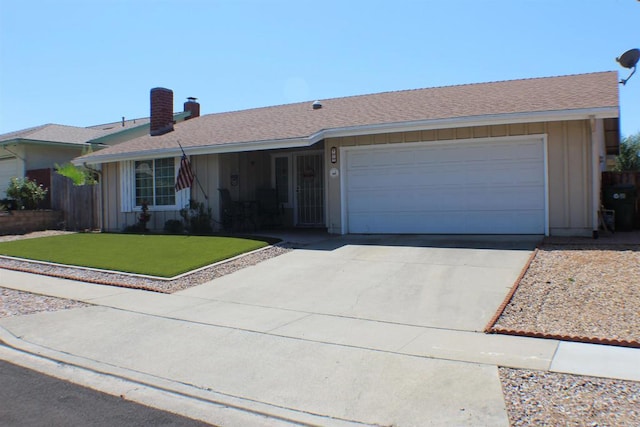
(629, 59)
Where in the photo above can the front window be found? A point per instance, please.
(155, 180)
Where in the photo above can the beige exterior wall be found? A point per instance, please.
(569, 162)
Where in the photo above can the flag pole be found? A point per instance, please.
(194, 174)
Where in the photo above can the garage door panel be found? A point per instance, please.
(485, 172)
(449, 199)
(506, 199)
(474, 195)
(443, 222)
(494, 187)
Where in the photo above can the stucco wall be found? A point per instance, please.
(569, 164)
(44, 156)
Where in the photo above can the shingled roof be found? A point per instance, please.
(540, 99)
(54, 133)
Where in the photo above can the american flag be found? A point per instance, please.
(185, 174)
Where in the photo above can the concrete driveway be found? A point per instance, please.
(357, 330)
(432, 281)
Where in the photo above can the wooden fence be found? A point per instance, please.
(78, 203)
(625, 178)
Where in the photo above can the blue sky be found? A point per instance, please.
(89, 62)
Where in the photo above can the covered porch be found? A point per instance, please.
(271, 188)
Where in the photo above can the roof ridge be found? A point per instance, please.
(473, 84)
(505, 81)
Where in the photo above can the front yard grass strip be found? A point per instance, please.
(155, 255)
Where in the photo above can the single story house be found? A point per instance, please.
(510, 157)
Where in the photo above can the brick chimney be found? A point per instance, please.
(161, 111)
(193, 106)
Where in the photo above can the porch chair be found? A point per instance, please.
(269, 208)
(231, 213)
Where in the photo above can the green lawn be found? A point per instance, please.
(157, 255)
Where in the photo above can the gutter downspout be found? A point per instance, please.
(595, 177)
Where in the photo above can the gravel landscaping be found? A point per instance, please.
(552, 399)
(18, 303)
(578, 289)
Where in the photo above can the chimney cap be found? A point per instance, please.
(191, 99)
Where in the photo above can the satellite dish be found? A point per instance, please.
(629, 59)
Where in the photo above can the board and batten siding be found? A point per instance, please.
(115, 220)
(569, 162)
(569, 167)
(214, 171)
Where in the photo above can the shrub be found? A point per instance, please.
(629, 157)
(144, 216)
(173, 226)
(27, 193)
(197, 219)
(7, 205)
(135, 228)
(79, 175)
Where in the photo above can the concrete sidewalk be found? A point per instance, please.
(229, 353)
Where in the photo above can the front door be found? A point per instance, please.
(309, 185)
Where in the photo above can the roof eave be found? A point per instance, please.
(52, 143)
(232, 147)
(430, 124)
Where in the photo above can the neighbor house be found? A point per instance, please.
(510, 157)
(34, 152)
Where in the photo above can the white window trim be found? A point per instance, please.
(128, 189)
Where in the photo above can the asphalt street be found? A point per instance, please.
(28, 398)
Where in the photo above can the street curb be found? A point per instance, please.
(181, 398)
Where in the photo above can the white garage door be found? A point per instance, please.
(9, 167)
(480, 187)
